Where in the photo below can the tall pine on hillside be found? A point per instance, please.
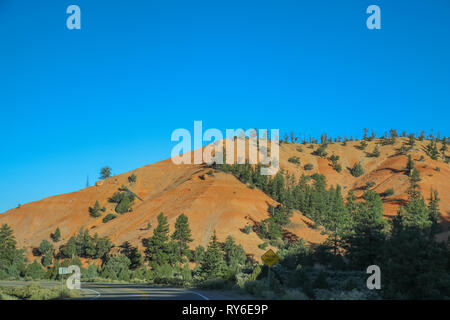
(182, 236)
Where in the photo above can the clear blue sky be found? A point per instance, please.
(113, 92)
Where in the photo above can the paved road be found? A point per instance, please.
(111, 291)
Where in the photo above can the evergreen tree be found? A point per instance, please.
(213, 265)
(182, 236)
(95, 211)
(35, 271)
(357, 170)
(409, 165)
(7, 242)
(376, 152)
(414, 187)
(11, 259)
(105, 173)
(338, 222)
(234, 254)
(45, 247)
(158, 248)
(414, 214)
(413, 261)
(444, 148)
(133, 254)
(56, 236)
(199, 254)
(432, 150)
(433, 206)
(365, 244)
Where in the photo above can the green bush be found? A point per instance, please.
(357, 170)
(35, 271)
(370, 184)
(132, 178)
(109, 217)
(34, 291)
(308, 166)
(247, 229)
(295, 160)
(263, 245)
(387, 193)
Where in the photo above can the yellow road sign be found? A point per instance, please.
(269, 258)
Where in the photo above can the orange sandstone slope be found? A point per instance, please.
(387, 171)
(220, 202)
(212, 202)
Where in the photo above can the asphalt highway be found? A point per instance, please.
(114, 291)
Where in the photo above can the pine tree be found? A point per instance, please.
(7, 241)
(95, 211)
(414, 214)
(56, 236)
(376, 152)
(365, 244)
(338, 222)
(105, 173)
(11, 259)
(45, 247)
(182, 236)
(444, 148)
(433, 206)
(213, 265)
(414, 187)
(432, 150)
(158, 248)
(409, 165)
(133, 254)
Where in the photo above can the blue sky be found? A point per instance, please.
(111, 93)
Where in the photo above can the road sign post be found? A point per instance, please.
(269, 258)
(62, 271)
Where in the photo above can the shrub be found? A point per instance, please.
(109, 217)
(387, 193)
(362, 145)
(357, 170)
(124, 201)
(263, 245)
(132, 178)
(299, 149)
(308, 166)
(295, 160)
(210, 173)
(337, 167)
(35, 271)
(90, 272)
(370, 184)
(321, 151)
(34, 291)
(247, 229)
(375, 153)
